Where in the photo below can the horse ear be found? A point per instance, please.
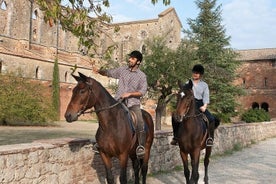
(83, 77)
(180, 84)
(76, 77)
(190, 84)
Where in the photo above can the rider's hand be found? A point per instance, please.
(125, 95)
(203, 108)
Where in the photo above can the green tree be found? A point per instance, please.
(214, 52)
(24, 102)
(164, 67)
(55, 84)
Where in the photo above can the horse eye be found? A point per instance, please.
(182, 94)
(82, 91)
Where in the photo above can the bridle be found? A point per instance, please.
(185, 116)
(83, 109)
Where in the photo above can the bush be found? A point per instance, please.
(23, 102)
(255, 115)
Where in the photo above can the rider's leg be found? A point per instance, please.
(175, 126)
(140, 151)
(211, 128)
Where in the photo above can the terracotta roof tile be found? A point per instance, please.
(257, 54)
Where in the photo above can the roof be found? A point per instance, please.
(150, 20)
(168, 11)
(257, 54)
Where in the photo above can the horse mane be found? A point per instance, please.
(91, 81)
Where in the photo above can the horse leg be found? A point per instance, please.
(195, 163)
(206, 163)
(136, 168)
(184, 157)
(107, 165)
(144, 164)
(123, 158)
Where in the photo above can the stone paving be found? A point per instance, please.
(253, 165)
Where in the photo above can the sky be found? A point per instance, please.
(251, 24)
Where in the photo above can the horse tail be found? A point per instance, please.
(217, 122)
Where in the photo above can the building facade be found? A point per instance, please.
(29, 46)
(257, 75)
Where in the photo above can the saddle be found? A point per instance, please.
(132, 118)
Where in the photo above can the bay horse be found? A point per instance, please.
(192, 133)
(115, 136)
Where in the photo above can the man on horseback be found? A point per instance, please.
(131, 87)
(201, 94)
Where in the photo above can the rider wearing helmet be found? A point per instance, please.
(132, 86)
(201, 94)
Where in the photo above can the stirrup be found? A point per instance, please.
(95, 148)
(209, 142)
(140, 151)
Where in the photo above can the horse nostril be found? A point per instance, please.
(68, 117)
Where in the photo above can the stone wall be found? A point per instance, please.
(72, 160)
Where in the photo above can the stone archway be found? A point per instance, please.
(255, 105)
(265, 106)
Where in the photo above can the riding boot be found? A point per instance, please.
(175, 126)
(140, 150)
(211, 130)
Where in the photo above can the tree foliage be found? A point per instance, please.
(24, 102)
(85, 19)
(164, 67)
(214, 52)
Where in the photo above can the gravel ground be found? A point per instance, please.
(252, 165)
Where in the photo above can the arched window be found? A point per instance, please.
(0, 66)
(34, 34)
(265, 106)
(65, 76)
(34, 15)
(144, 49)
(265, 82)
(255, 105)
(4, 6)
(243, 81)
(37, 72)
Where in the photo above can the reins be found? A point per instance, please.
(193, 116)
(98, 110)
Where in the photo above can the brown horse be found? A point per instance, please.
(192, 133)
(115, 136)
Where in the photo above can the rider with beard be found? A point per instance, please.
(132, 86)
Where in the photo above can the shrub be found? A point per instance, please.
(23, 102)
(255, 115)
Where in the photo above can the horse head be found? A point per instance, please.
(81, 98)
(185, 97)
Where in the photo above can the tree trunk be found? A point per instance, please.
(159, 111)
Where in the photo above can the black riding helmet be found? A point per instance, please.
(136, 54)
(198, 69)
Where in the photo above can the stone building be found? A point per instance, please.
(29, 46)
(257, 75)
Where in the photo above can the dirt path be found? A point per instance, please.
(253, 165)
